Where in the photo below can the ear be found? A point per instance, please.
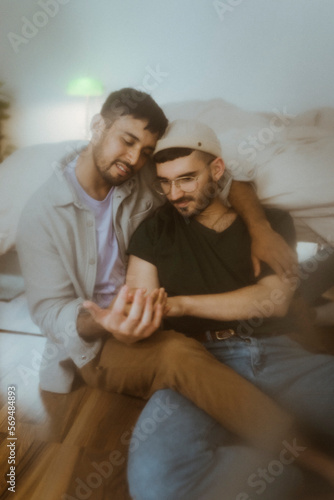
(217, 167)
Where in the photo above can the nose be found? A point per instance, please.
(134, 156)
(175, 191)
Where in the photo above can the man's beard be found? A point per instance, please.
(202, 203)
(114, 180)
(203, 200)
(104, 172)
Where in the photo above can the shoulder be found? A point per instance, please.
(161, 218)
(48, 161)
(40, 216)
(47, 195)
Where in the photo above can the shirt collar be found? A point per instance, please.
(67, 194)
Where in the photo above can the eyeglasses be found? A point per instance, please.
(188, 184)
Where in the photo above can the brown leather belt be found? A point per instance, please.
(213, 335)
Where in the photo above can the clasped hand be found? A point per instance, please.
(133, 315)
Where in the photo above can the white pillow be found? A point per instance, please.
(295, 172)
(298, 173)
(319, 117)
(217, 113)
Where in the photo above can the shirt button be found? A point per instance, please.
(91, 262)
(90, 223)
(83, 357)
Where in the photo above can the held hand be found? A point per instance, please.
(174, 306)
(126, 324)
(159, 296)
(273, 249)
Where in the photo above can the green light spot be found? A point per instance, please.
(85, 87)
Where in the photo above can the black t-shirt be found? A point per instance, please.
(194, 260)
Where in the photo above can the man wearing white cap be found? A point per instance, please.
(199, 251)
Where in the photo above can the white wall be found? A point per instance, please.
(258, 54)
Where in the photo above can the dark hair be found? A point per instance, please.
(171, 154)
(129, 101)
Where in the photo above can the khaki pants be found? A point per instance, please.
(171, 360)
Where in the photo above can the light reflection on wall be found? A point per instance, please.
(53, 122)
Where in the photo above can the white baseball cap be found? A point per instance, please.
(189, 134)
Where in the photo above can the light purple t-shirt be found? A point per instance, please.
(110, 272)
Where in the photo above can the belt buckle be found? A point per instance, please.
(224, 334)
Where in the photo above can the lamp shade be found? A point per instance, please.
(85, 86)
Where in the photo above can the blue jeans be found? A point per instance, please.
(178, 452)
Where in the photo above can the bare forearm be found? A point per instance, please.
(241, 304)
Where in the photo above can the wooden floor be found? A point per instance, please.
(68, 447)
(65, 443)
